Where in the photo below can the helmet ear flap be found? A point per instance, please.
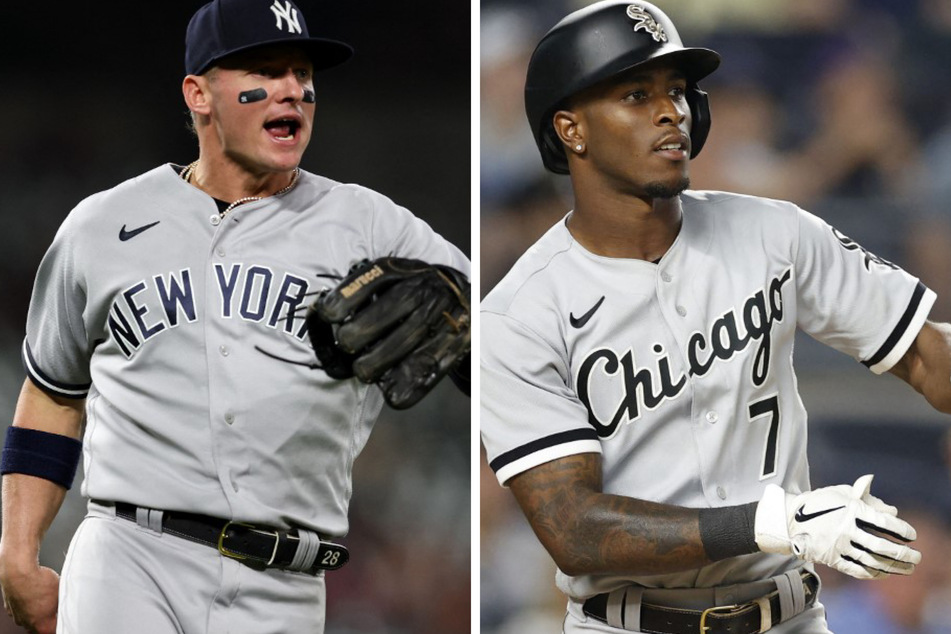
(700, 113)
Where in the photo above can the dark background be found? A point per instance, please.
(91, 96)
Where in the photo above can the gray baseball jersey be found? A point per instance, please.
(680, 373)
(152, 306)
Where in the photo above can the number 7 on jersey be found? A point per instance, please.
(768, 407)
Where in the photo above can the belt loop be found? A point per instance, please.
(306, 551)
(784, 587)
(632, 608)
(149, 518)
(613, 610)
(142, 516)
(792, 594)
(765, 614)
(798, 593)
(155, 520)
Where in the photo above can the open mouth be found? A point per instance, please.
(672, 148)
(283, 129)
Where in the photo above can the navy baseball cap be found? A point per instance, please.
(222, 27)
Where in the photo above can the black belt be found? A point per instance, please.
(258, 547)
(734, 619)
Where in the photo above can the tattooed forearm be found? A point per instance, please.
(587, 531)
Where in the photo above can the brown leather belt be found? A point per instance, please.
(745, 618)
(256, 546)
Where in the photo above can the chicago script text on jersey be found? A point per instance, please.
(645, 387)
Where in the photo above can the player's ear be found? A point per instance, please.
(196, 93)
(570, 129)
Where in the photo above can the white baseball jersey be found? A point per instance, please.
(152, 306)
(680, 373)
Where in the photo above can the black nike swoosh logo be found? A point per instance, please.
(579, 322)
(129, 234)
(805, 517)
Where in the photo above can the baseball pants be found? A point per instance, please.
(120, 577)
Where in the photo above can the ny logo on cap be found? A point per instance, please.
(644, 22)
(288, 14)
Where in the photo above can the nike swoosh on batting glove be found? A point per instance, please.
(844, 527)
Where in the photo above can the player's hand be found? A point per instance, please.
(31, 597)
(844, 527)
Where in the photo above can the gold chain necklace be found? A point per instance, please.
(190, 170)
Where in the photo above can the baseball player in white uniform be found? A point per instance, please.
(638, 393)
(219, 477)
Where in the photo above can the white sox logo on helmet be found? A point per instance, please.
(644, 21)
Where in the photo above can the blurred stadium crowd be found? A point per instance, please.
(841, 106)
(93, 97)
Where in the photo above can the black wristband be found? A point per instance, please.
(41, 454)
(728, 531)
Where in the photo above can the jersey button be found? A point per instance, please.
(220, 252)
(665, 276)
(681, 311)
(224, 351)
(712, 417)
(721, 493)
(215, 220)
(229, 418)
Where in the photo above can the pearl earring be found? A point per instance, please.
(579, 147)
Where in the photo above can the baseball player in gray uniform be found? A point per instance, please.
(219, 477)
(637, 388)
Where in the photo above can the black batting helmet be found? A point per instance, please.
(598, 42)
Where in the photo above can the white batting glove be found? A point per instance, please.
(836, 526)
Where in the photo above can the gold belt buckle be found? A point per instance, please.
(718, 608)
(224, 550)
